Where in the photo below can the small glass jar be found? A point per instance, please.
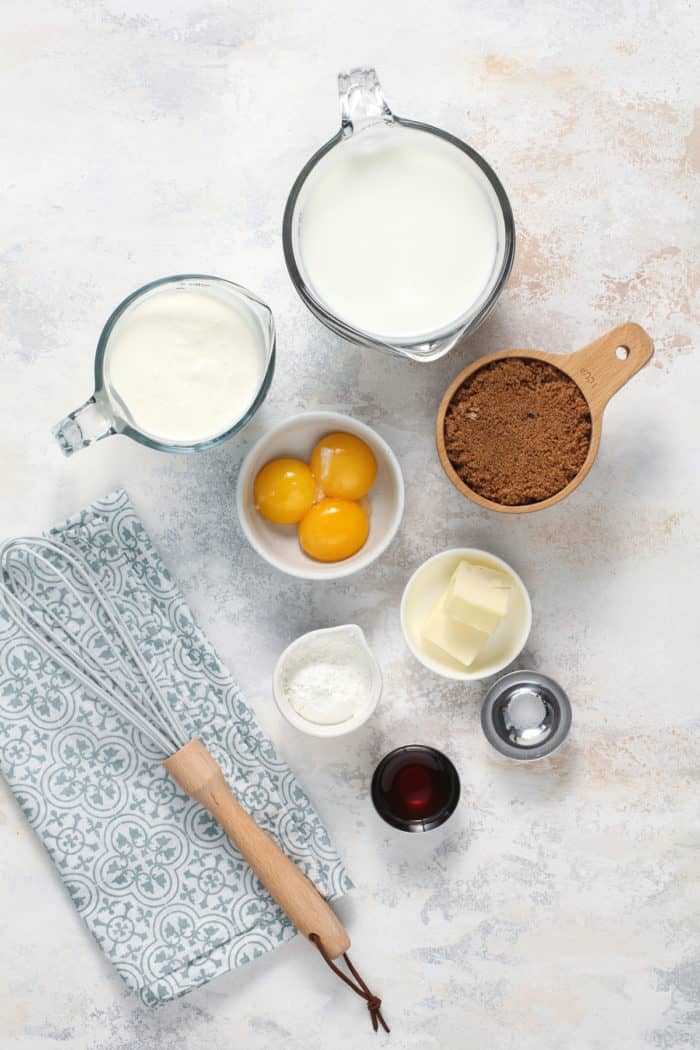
(415, 788)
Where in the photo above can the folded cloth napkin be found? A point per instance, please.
(162, 889)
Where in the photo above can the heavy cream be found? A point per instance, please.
(184, 365)
(399, 233)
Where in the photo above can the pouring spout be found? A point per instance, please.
(362, 102)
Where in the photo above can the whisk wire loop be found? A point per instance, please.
(137, 695)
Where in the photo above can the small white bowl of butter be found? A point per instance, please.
(465, 614)
(328, 683)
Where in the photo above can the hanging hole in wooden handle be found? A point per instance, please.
(606, 364)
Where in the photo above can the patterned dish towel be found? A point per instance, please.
(167, 896)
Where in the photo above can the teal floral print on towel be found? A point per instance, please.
(166, 895)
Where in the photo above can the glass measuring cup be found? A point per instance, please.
(369, 127)
(104, 414)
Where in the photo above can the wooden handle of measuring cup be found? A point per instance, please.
(606, 364)
(199, 775)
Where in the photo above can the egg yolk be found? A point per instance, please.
(333, 529)
(344, 466)
(284, 490)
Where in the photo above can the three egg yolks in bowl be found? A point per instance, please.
(322, 497)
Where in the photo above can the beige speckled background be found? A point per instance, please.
(560, 909)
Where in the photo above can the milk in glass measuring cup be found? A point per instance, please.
(397, 235)
(181, 365)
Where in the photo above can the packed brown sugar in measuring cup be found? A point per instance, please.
(517, 431)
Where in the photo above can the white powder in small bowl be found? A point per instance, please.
(328, 679)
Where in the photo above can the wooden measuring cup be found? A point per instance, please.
(599, 370)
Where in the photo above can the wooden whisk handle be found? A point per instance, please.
(199, 775)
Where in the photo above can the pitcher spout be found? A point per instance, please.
(362, 102)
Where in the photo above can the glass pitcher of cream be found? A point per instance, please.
(181, 365)
(397, 235)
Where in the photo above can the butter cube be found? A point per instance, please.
(460, 641)
(478, 596)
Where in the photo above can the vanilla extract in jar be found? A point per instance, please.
(415, 788)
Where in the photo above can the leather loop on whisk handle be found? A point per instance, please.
(199, 775)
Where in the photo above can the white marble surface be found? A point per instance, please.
(560, 907)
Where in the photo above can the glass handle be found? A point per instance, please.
(362, 101)
(83, 427)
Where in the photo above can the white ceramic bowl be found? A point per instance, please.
(426, 585)
(354, 634)
(296, 437)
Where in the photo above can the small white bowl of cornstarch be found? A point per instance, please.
(328, 683)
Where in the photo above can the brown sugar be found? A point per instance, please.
(517, 431)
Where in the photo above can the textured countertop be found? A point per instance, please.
(559, 909)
